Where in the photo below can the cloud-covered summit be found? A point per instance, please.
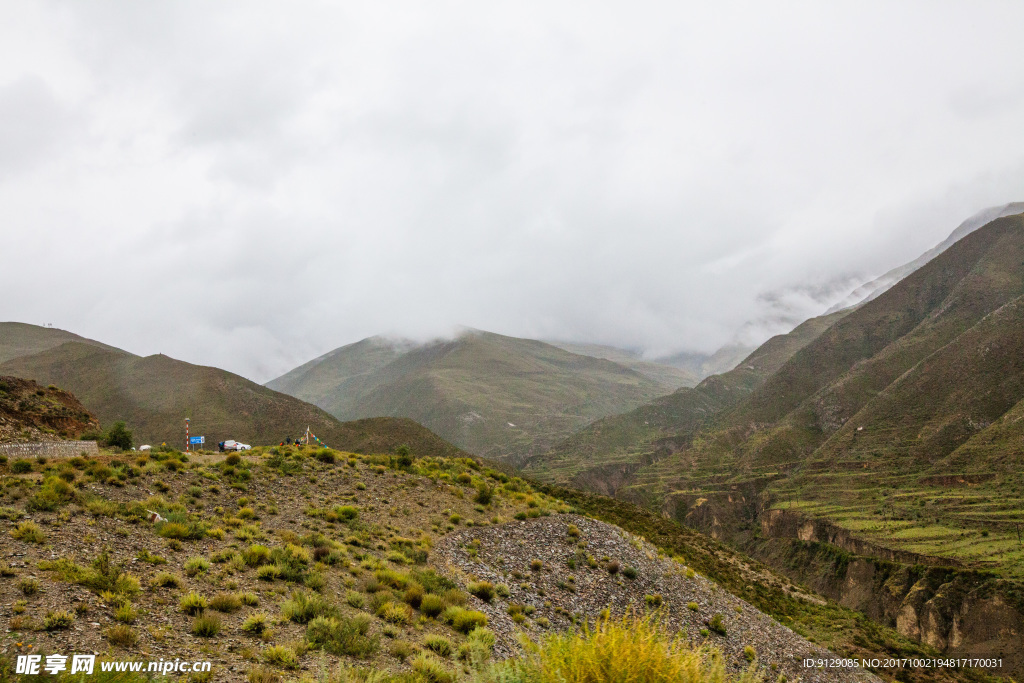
(244, 186)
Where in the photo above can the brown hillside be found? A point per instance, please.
(154, 395)
(29, 412)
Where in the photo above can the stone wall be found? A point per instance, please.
(51, 449)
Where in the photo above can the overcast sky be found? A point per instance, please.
(249, 184)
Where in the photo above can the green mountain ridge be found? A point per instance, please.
(895, 422)
(21, 339)
(634, 438)
(499, 397)
(671, 377)
(154, 395)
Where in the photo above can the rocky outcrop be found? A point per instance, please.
(605, 479)
(30, 412)
(959, 612)
(778, 523)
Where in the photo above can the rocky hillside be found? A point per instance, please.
(30, 412)
(287, 561)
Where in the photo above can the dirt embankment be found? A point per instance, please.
(30, 412)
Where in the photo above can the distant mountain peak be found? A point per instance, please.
(870, 290)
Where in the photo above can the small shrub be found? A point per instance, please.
(196, 565)
(146, 556)
(402, 650)
(225, 602)
(192, 604)
(629, 573)
(749, 653)
(613, 567)
(478, 646)
(256, 624)
(717, 624)
(454, 596)
(574, 531)
(342, 636)
(346, 513)
(28, 586)
(268, 572)
(482, 589)
(206, 626)
(395, 613)
(302, 607)
(413, 595)
(438, 644)
(257, 555)
(29, 532)
(503, 590)
(121, 635)
(261, 674)
(692, 606)
(165, 580)
(315, 581)
(58, 621)
(484, 494)
(21, 466)
(467, 620)
(432, 605)
(355, 599)
(279, 655)
(249, 599)
(653, 600)
(126, 614)
(536, 565)
(431, 670)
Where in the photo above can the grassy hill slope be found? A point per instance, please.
(669, 376)
(598, 455)
(283, 560)
(893, 430)
(22, 339)
(499, 397)
(155, 394)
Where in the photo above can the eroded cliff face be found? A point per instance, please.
(957, 611)
(777, 523)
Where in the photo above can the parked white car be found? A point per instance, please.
(232, 445)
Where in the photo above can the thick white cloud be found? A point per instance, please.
(249, 184)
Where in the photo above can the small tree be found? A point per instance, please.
(404, 456)
(119, 435)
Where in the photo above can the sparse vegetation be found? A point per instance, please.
(206, 625)
(58, 621)
(29, 532)
(192, 604)
(121, 635)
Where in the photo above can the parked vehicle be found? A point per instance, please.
(232, 445)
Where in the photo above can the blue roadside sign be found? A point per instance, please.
(197, 439)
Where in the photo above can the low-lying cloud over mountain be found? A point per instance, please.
(250, 187)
